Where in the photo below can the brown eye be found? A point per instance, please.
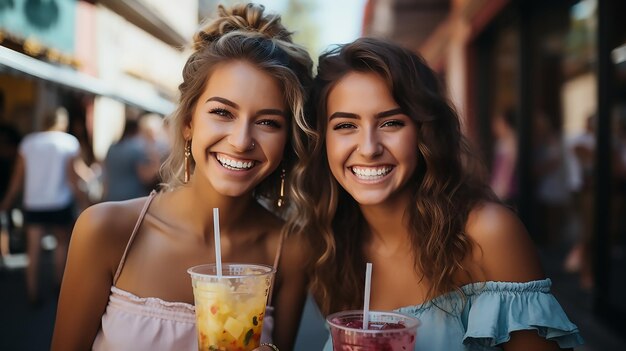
(393, 123)
(270, 123)
(222, 112)
(343, 126)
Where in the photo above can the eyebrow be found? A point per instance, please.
(266, 111)
(224, 101)
(392, 112)
(270, 111)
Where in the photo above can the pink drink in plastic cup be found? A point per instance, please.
(387, 331)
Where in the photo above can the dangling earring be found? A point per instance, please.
(281, 197)
(187, 169)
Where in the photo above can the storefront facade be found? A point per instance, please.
(558, 66)
(90, 57)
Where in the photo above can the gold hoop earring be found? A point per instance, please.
(187, 166)
(281, 197)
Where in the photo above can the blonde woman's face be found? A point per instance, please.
(370, 143)
(238, 128)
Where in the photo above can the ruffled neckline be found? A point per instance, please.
(478, 288)
(155, 301)
(152, 301)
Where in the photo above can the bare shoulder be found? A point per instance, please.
(105, 228)
(110, 219)
(503, 250)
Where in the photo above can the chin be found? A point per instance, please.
(232, 193)
(369, 200)
(233, 190)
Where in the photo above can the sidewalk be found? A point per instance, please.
(24, 327)
(578, 306)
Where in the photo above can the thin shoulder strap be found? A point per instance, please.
(144, 210)
(279, 250)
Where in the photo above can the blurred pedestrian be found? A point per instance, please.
(45, 169)
(152, 129)
(129, 166)
(503, 175)
(551, 192)
(581, 157)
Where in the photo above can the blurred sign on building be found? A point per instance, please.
(52, 23)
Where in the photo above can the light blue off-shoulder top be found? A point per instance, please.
(488, 315)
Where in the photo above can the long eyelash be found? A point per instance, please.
(271, 123)
(342, 126)
(219, 111)
(394, 122)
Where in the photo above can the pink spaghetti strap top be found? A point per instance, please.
(131, 322)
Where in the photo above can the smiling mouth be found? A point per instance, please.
(233, 164)
(370, 173)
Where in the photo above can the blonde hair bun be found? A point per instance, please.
(249, 18)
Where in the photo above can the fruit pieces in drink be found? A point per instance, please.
(226, 319)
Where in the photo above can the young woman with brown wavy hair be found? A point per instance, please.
(126, 285)
(387, 182)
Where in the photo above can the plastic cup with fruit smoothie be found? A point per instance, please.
(387, 331)
(230, 307)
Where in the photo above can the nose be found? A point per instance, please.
(369, 144)
(240, 136)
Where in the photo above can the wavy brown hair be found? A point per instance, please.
(443, 191)
(243, 32)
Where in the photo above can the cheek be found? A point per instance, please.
(201, 128)
(331, 149)
(276, 146)
(409, 150)
(202, 137)
(337, 144)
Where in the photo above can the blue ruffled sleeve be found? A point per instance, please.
(496, 309)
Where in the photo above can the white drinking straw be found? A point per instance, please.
(366, 300)
(216, 234)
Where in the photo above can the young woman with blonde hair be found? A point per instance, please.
(241, 100)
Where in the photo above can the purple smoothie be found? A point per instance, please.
(387, 331)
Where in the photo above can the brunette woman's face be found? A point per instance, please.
(370, 143)
(238, 128)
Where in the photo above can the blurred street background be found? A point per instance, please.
(540, 86)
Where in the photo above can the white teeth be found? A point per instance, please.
(234, 165)
(370, 173)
